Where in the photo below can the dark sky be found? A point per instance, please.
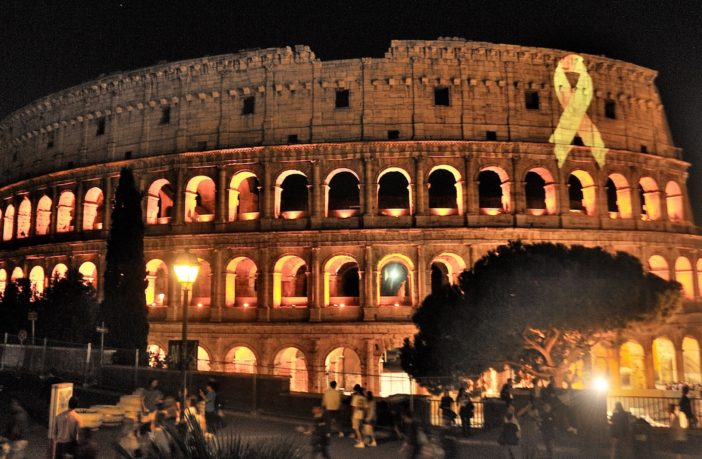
(46, 46)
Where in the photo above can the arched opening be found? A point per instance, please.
(343, 366)
(691, 361)
(342, 194)
(445, 191)
(341, 282)
(393, 379)
(3, 281)
(494, 190)
(699, 277)
(581, 193)
(445, 270)
(650, 199)
(658, 266)
(241, 283)
(395, 281)
(203, 359)
(631, 366)
(540, 192)
(200, 199)
(291, 363)
(89, 272)
(59, 272)
(664, 370)
(36, 280)
(43, 220)
(291, 195)
(683, 274)
(674, 202)
(17, 273)
(156, 283)
(65, 211)
(159, 202)
(290, 282)
(24, 218)
(244, 197)
(618, 197)
(202, 288)
(157, 356)
(92, 209)
(394, 193)
(240, 359)
(8, 223)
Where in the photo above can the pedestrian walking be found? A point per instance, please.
(506, 394)
(529, 422)
(686, 407)
(448, 416)
(153, 398)
(66, 429)
(87, 445)
(320, 434)
(414, 437)
(331, 403)
(210, 398)
(678, 435)
(466, 410)
(620, 431)
(128, 439)
(547, 424)
(16, 430)
(509, 436)
(358, 406)
(158, 435)
(370, 420)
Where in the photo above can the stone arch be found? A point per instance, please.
(582, 196)
(159, 202)
(342, 197)
(9, 223)
(631, 366)
(43, 216)
(240, 281)
(200, 199)
(3, 280)
(494, 191)
(664, 371)
(699, 277)
(395, 280)
(291, 195)
(37, 279)
(684, 275)
(445, 270)
(674, 202)
(240, 359)
(203, 358)
(202, 288)
(691, 361)
(90, 273)
(65, 212)
(291, 362)
(618, 196)
(394, 192)
(540, 192)
(342, 284)
(659, 266)
(650, 199)
(343, 365)
(290, 282)
(24, 218)
(244, 196)
(156, 283)
(445, 191)
(17, 273)
(59, 271)
(92, 209)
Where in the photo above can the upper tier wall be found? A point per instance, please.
(199, 104)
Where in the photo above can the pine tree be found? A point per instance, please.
(124, 305)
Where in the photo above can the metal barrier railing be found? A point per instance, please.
(436, 418)
(653, 409)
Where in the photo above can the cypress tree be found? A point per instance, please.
(124, 304)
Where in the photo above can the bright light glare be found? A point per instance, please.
(393, 274)
(600, 384)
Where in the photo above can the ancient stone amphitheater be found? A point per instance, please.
(325, 199)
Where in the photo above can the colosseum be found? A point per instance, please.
(326, 199)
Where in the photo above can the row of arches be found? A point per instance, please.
(682, 271)
(665, 364)
(39, 280)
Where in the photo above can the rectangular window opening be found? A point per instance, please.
(248, 105)
(441, 97)
(50, 138)
(644, 149)
(100, 129)
(531, 100)
(578, 141)
(393, 134)
(610, 109)
(202, 145)
(165, 115)
(342, 98)
(292, 138)
(127, 155)
(490, 135)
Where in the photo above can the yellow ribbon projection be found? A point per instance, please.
(574, 119)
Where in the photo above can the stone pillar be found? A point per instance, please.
(423, 274)
(420, 204)
(316, 293)
(648, 364)
(265, 291)
(368, 287)
(175, 296)
(33, 217)
(471, 187)
(179, 197)
(315, 373)
(371, 378)
(101, 266)
(369, 186)
(601, 197)
(268, 189)
(221, 197)
(635, 202)
(15, 220)
(79, 206)
(107, 204)
(217, 301)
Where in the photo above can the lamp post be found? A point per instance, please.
(186, 267)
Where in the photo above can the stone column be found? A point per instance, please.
(107, 204)
(175, 296)
(221, 197)
(471, 187)
(635, 202)
(679, 361)
(369, 188)
(79, 206)
(179, 197)
(265, 291)
(15, 220)
(368, 287)
(317, 195)
(268, 189)
(372, 376)
(420, 190)
(423, 274)
(34, 200)
(316, 294)
(649, 370)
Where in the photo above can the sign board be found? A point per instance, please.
(61, 393)
(32, 315)
(175, 353)
(22, 335)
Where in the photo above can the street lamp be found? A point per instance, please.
(186, 267)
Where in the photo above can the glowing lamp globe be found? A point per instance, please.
(186, 268)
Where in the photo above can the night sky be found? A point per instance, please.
(46, 46)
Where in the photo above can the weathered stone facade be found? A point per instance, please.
(307, 188)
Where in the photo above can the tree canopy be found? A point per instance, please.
(537, 307)
(124, 306)
(16, 303)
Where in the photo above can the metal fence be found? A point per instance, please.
(653, 409)
(436, 419)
